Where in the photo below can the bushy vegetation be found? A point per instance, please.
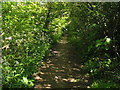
(26, 40)
(30, 29)
(94, 31)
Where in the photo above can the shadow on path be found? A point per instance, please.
(61, 71)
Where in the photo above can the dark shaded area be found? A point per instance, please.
(61, 70)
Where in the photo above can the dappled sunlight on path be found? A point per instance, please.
(61, 70)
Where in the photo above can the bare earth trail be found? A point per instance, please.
(61, 70)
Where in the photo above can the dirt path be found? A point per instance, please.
(61, 71)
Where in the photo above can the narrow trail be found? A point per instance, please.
(61, 70)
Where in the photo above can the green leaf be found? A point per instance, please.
(25, 80)
(108, 40)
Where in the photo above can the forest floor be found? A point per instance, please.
(62, 70)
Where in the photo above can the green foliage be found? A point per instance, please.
(56, 25)
(25, 41)
(93, 30)
(103, 84)
(30, 29)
